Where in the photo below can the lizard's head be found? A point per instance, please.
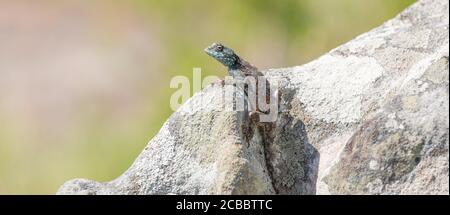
(223, 54)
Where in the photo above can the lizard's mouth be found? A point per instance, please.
(208, 51)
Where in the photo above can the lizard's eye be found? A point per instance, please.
(219, 48)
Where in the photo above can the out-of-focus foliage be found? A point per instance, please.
(85, 84)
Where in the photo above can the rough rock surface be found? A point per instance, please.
(370, 117)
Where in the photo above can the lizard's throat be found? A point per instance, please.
(233, 63)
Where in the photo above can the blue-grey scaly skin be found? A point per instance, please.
(237, 67)
(223, 54)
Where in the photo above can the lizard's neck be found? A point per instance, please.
(236, 65)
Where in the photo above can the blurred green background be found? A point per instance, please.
(84, 85)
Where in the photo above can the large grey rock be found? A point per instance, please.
(369, 117)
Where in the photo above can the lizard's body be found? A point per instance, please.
(239, 69)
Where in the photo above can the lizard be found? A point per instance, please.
(238, 68)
